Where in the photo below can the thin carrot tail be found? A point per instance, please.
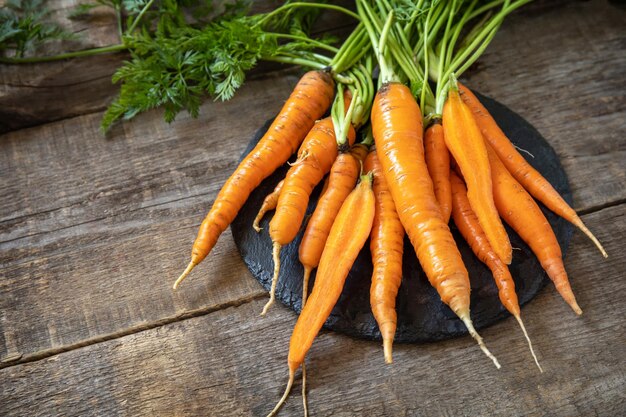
(470, 327)
(184, 274)
(305, 284)
(387, 331)
(276, 256)
(568, 295)
(557, 274)
(257, 221)
(282, 400)
(579, 223)
(305, 293)
(530, 345)
(305, 406)
(387, 349)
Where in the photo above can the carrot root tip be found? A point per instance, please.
(579, 223)
(305, 284)
(305, 406)
(530, 345)
(184, 274)
(470, 327)
(276, 256)
(387, 349)
(285, 395)
(574, 305)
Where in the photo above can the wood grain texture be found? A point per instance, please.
(233, 362)
(35, 94)
(93, 230)
(92, 226)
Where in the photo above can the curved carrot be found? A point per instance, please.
(467, 145)
(521, 170)
(316, 157)
(523, 214)
(397, 127)
(438, 163)
(341, 181)
(269, 203)
(386, 245)
(347, 236)
(467, 223)
(309, 100)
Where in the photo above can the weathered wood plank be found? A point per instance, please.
(34, 94)
(232, 362)
(82, 214)
(121, 231)
(157, 161)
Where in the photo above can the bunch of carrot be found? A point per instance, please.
(425, 156)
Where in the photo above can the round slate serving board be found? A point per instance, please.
(422, 317)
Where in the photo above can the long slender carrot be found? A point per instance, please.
(309, 100)
(438, 163)
(467, 223)
(341, 181)
(397, 127)
(347, 236)
(317, 154)
(466, 143)
(386, 245)
(269, 203)
(521, 170)
(522, 213)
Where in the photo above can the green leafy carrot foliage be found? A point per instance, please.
(24, 27)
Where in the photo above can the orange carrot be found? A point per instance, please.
(466, 143)
(269, 203)
(386, 245)
(341, 181)
(397, 127)
(523, 214)
(467, 223)
(309, 100)
(521, 170)
(317, 154)
(347, 236)
(438, 163)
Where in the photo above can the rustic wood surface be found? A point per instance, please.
(93, 230)
(45, 92)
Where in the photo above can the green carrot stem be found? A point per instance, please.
(352, 49)
(67, 55)
(313, 42)
(312, 5)
(295, 60)
(139, 16)
(456, 33)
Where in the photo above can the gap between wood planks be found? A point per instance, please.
(260, 76)
(580, 212)
(265, 69)
(148, 206)
(600, 207)
(71, 84)
(17, 359)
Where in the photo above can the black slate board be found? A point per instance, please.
(422, 317)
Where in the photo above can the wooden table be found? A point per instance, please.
(93, 230)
